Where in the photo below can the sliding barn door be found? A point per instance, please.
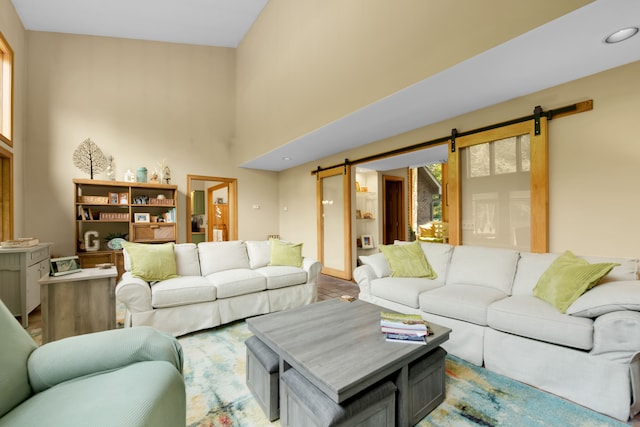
(334, 221)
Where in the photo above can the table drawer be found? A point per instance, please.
(37, 255)
(154, 232)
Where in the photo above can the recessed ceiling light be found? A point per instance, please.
(286, 158)
(621, 35)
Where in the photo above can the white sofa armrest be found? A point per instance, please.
(616, 336)
(313, 268)
(363, 276)
(134, 293)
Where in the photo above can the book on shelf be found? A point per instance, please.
(404, 338)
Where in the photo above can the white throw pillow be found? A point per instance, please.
(259, 253)
(607, 297)
(378, 263)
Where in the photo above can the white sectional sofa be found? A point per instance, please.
(590, 354)
(216, 283)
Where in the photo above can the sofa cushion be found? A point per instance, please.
(481, 266)
(530, 317)
(439, 256)
(182, 290)
(220, 256)
(607, 297)
(231, 283)
(463, 302)
(408, 260)
(151, 262)
(281, 276)
(285, 253)
(626, 270)
(378, 263)
(530, 268)
(187, 263)
(259, 252)
(403, 290)
(567, 278)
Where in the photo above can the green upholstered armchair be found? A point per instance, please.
(122, 377)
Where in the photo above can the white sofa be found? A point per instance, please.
(217, 283)
(591, 355)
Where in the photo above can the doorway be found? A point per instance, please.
(212, 209)
(393, 208)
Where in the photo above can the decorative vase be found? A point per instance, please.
(141, 174)
(129, 176)
(111, 171)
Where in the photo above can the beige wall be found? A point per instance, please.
(593, 169)
(307, 63)
(142, 102)
(13, 31)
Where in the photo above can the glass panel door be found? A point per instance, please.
(334, 222)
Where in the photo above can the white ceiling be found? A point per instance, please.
(202, 22)
(562, 50)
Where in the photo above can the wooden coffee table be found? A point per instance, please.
(338, 347)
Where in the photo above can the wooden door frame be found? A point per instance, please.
(346, 190)
(402, 219)
(6, 187)
(232, 226)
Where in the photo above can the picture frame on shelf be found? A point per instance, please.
(367, 241)
(142, 217)
(123, 198)
(113, 198)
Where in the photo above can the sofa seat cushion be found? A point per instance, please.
(239, 281)
(530, 317)
(281, 276)
(403, 290)
(182, 290)
(463, 302)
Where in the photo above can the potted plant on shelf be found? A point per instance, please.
(114, 240)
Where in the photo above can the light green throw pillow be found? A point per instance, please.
(408, 261)
(567, 278)
(151, 262)
(284, 253)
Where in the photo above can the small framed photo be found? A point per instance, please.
(64, 265)
(367, 241)
(123, 198)
(141, 217)
(113, 198)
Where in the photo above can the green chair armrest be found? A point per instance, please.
(90, 354)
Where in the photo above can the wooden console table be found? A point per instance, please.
(78, 303)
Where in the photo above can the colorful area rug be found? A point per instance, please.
(217, 394)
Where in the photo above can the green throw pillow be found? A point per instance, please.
(567, 278)
(284, 253)
(408, 260)
(151, 262)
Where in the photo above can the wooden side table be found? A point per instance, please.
(78, 303)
